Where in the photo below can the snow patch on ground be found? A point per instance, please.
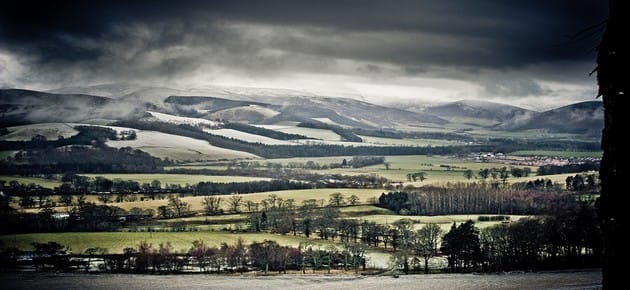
(167, 118)
(176, 147)
(247, 137)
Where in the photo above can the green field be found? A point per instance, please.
(115, 242)
(47, 183)
(408, 141)
(433, 166)
(555, 178)
(564, 154)
(232, 220)
(196, 166)
(400, 166)
(196, 202)
(528, 134)
(181, 179)
(444, 221)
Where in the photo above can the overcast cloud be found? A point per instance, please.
(519, 52)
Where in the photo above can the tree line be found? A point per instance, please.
(583, 183)
(118, 190)
(567, 236)
(146, 258)
(395, 134)
(354, 162)
(568, 168)
(263, 131)
(83, 215)
(471, 198)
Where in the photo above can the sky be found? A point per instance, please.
(533, 53)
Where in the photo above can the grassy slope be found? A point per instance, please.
(176, 147)
(115, 242)
(50, 130)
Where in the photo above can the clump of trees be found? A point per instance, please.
(568, 238)
(359, 161)
(50, 255)
(78, 158)
(461, 247)
(539, 184)
(174, 209)
(205, 188)
(422, 176)
(471, 198)
(497, 174)
(583, 183)
(569, 168)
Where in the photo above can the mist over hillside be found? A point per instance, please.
(581, 118)
(263, 106)
(271, 106)
(479, 110)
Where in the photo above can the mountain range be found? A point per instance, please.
(268, 107)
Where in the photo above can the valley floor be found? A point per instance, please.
(579, 279)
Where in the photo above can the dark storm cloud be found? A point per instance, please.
(101, 41)
(492, 33)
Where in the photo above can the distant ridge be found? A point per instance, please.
(268, 107)
(478, 109)
(580, 118)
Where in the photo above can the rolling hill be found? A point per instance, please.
(479, 110)
(579, 118)
(280, 111)
(584, 118)
(19, 107)
(26, 107)
(179, 148)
